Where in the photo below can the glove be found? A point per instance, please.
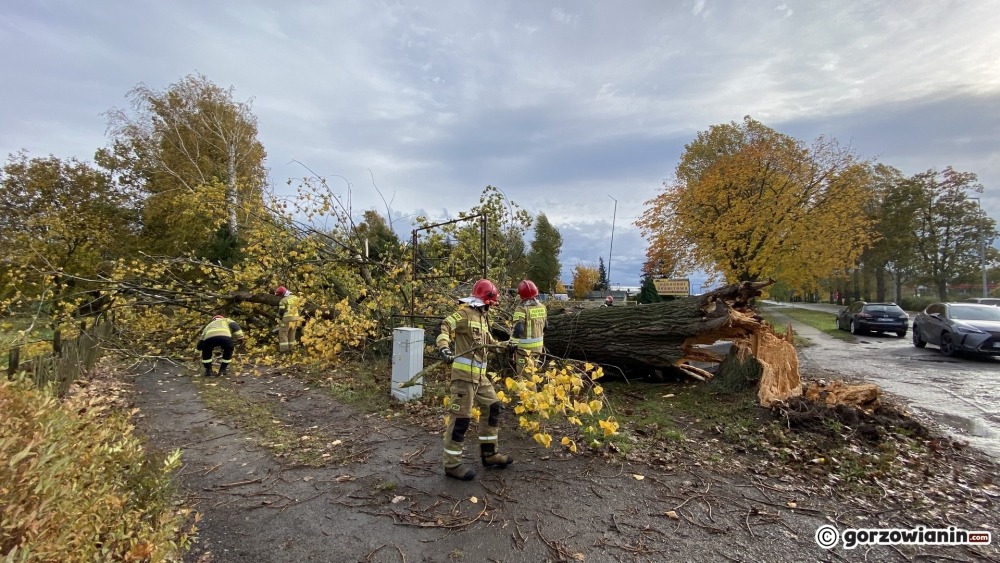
(511, 346)
(446, 354)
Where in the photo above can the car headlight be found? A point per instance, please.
(968, 330)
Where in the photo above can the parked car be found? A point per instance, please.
(959, 327)
(984, 301)
(862, 317)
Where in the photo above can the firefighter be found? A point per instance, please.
(609, 301)
(220, 332)
(469, 330)
(530, 322)
(288, 322)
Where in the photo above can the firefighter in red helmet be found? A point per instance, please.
(530, 322)
(288, 319)
(468, 331)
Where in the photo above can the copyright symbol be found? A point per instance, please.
(827, 536)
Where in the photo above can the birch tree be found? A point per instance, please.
(192, 141)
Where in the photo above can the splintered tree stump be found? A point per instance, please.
(664, 336)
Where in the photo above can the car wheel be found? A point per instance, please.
(854, 328)
(901, 333)
(917, 341)
(947, 345)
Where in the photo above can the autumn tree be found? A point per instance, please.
(506, 223)
(194, 152)
(63, 223)
(380, 242)
(584, 279)
(948, 227)
(891, 209)
(543, 258)
(749, 203)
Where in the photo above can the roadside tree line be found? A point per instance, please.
(748, 203)
(175, 220)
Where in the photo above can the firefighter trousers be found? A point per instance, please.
(463, 395)
(287, 335)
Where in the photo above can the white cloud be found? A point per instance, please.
(559, 106)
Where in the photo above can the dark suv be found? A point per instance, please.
(863, 317)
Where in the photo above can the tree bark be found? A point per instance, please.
(665, 336)
(658, 335)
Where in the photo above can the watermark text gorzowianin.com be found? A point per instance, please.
(828, 536)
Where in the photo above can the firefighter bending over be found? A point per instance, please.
(218, 333)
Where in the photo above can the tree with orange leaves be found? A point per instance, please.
(748, 203)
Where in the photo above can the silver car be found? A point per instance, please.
(959, 327)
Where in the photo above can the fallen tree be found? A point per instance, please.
(668, 337)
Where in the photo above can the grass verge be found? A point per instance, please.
(822, 321)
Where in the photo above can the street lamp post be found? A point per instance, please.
(982, 248)
(614, 215)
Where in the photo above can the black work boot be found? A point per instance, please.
(208, 370)
(491, 459)
(222, 370)
(460, 472)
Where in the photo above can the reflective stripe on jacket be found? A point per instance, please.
(288, 308)
(531, 317)
(469, 329)
(221, 327)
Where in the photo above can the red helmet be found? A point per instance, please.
(609, 299)
(527, 289)
(485, 291)
(281, 290)
(218, 317)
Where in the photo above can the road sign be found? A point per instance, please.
(676, 287)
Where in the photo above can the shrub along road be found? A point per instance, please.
(281, 471)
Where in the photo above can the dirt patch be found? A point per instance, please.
(331, 482)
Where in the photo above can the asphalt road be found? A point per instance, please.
(962, 394)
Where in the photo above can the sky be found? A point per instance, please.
(576, 109)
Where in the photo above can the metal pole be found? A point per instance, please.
(614, 215)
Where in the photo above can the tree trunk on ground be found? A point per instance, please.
(665, 336)
(658, 335)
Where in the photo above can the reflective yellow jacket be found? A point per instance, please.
(221, 327)
(530, 320)
(288, 308)
(469, 329)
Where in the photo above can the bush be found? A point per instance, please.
(916, 303)
(76, 484)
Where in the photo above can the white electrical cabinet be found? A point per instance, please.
(407, 361)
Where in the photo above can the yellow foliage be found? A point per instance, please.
(584, 280)
(78, 486)
(750, 203)
(543, 439)
(609, 427)
(562, 390)
(570, 444)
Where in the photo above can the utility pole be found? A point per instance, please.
(614, 215)
(982, 248)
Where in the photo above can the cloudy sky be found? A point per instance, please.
(565, 105)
